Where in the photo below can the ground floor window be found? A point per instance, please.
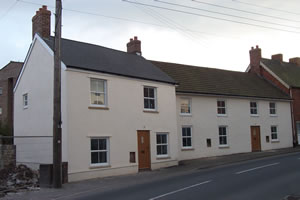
(186, 137)
(274, 134)
(223, 136)
(99, 151)
(162, 144)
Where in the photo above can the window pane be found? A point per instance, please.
(152, 103)
(158, 139)
(188, 131)
(102, 144)
(100, 86)
(94, 158)
(158, 150)
(164, 139)
(94, 85)
(146, 103)
(184, 142)
(94, 144)
(189, 142)
(183, 131)
(151, 92)
(146, 92)
(103, 157)
(164, 149)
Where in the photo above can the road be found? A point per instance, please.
(264, 179)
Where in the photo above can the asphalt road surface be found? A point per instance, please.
(264, 179)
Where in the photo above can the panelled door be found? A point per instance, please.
(255, 138)
(298, 131)
(143, 138)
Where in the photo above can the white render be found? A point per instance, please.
(205, 122)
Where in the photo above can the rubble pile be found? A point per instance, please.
(14, 178)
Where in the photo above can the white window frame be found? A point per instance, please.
(150, 98)
(189, 106)
(183, 137)
(104, 92)
(25, 100)
(254, 108)
(167, 136)
(275, 109)
(226, 135)
(107, 152)
(276, 133)
(225, 107)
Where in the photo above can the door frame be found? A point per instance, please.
(251, 137)
(148, 154)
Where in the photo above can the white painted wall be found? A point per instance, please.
(120, 123)
(205, 122)
(36, 79)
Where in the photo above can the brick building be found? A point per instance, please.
(285, 76)
(8, 77)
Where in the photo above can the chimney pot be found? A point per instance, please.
(41, 22)
(295, 60)
(134, 46)
(278, 57)
(257, 46)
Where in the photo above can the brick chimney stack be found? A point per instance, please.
(295, 60)
(41, 23)
(278, 57)
(255, 57)
(134, 46)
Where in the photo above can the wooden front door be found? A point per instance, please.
(255, 138)
(143, 138)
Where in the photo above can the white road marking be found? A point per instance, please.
(179, 190)
(248, 170)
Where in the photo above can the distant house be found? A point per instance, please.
(283, 75)
(8, 77)
(122, 113)
(223, 112)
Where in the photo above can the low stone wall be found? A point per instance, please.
(7, 155)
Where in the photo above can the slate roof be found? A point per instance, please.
(288, 72)
(209, 81)
(91, 57)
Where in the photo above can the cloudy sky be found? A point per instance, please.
(211, 33)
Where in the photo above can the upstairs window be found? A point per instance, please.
(274, 134)
(150, 98)
(272, 106)
(221, 107)
(185, 106)
(25, 100)
(253, 108)
(98, 92)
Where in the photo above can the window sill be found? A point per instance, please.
(99, 166)
(98, 107)
(25, 107)
(221, 115)
(150, 111)
(275, 141)
(187, 149)
(185, 115)
(163, 157)
(254, 115)
(223, 146)
(273, 115)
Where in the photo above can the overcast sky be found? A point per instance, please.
(189, 32)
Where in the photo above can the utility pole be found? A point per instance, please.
(57, 143)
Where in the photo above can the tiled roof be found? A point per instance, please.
(288, 72)
(201, 80)
(101, 59)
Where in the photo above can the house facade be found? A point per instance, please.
(122, 113)
(8, 77)
(284, 76)
(222, 112)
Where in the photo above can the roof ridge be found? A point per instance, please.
(195, 66)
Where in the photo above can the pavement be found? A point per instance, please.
(118, 182)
